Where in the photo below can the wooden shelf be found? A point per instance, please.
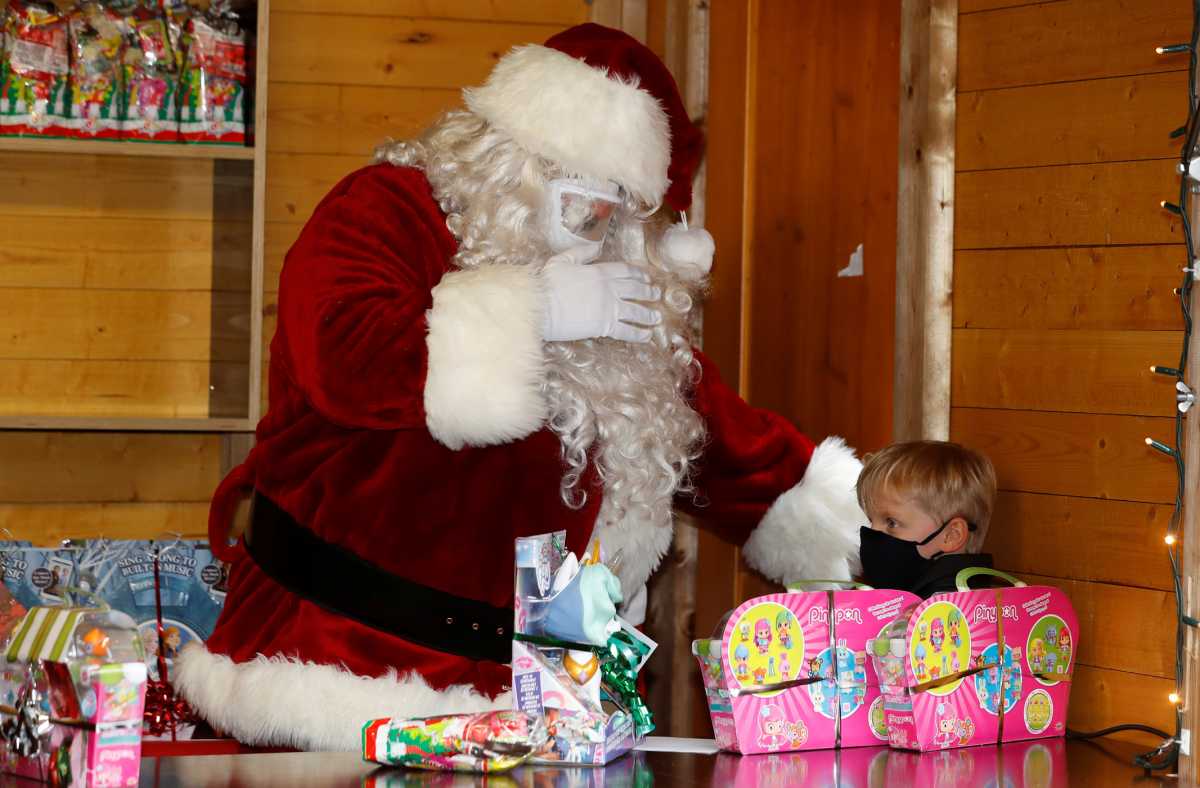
(168, 150)
(125, 424)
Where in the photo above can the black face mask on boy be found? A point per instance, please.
(889, 562)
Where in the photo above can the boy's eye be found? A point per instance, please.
(891, 523)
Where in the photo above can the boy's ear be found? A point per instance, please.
(956, 535)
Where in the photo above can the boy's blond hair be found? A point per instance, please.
(944, 479)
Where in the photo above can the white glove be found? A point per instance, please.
(595, 300)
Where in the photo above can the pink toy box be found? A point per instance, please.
(72, 690)
(771, 680)
(944, 681)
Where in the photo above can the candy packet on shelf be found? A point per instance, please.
(150, 77)
(490, 741)
(97, 43)
(35, 92)
(213, 106)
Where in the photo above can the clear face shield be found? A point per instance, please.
(580, 214)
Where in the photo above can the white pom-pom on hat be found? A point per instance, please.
(688, 251)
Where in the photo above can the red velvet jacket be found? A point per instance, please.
(376, 370)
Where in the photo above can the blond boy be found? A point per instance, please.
(929, 504)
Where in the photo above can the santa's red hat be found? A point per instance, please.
(596, 102)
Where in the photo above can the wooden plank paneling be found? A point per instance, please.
(804, 323)
(63, 467)
(105, 324)
(394, 52)
(336, 119)
(1074, 205)
(105, 186)
(1100, 698)
(42, 251)
(1083, 538)
(1069, 123)
(49, 524)
(1091, 372)
(562, 12)
(127, 388)
(1121, 628)
(1086, 288)
(1075, 40)
(1084, 455)
(300, 181)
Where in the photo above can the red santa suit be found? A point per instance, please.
(405, 440)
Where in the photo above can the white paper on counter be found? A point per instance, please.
(677, 744)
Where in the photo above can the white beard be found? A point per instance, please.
(624, 407)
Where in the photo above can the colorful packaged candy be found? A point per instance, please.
(492, 741)
(97, 45)
(35, 93)
(978, 667)
(586, 694)
(73, 687)
(790, 671)
(150, 78)
(213, 93)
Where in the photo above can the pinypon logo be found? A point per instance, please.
(988, 613)
(820, 615)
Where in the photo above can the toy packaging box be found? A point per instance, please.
(72, 690)
(587, 720)
(978, 667)
(790, 671)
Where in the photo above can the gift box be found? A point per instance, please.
(978, 667)
(790, 671)
(72, 689)
(586, 695)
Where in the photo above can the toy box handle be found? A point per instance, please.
(798, 585)
(963, 577)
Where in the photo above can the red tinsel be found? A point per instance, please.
(164, 709)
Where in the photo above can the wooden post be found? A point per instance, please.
(925, 240)
(1189, 569)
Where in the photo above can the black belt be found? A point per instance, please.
(339, 581)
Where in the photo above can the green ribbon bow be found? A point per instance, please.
(619, 661)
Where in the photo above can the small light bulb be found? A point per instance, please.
(1170, 539)
(1174, 698)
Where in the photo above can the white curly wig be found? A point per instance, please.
(624, 405)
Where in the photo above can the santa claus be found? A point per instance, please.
(489, 334)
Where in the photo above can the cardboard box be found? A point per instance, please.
(978, 667)
(587, 724)
(771, 680)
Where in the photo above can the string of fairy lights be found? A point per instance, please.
(1166, 754)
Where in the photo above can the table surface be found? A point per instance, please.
(1046, 763)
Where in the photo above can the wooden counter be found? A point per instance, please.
(1046, 764)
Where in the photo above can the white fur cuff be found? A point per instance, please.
(483, 386)
(811, 531)
(281, 702)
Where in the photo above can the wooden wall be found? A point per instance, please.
(802, 160)
(106, 268)
(1063, 277)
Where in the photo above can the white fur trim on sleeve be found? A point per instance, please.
(811, 531)
(281, 702)
(483, 385)
(582, 118)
